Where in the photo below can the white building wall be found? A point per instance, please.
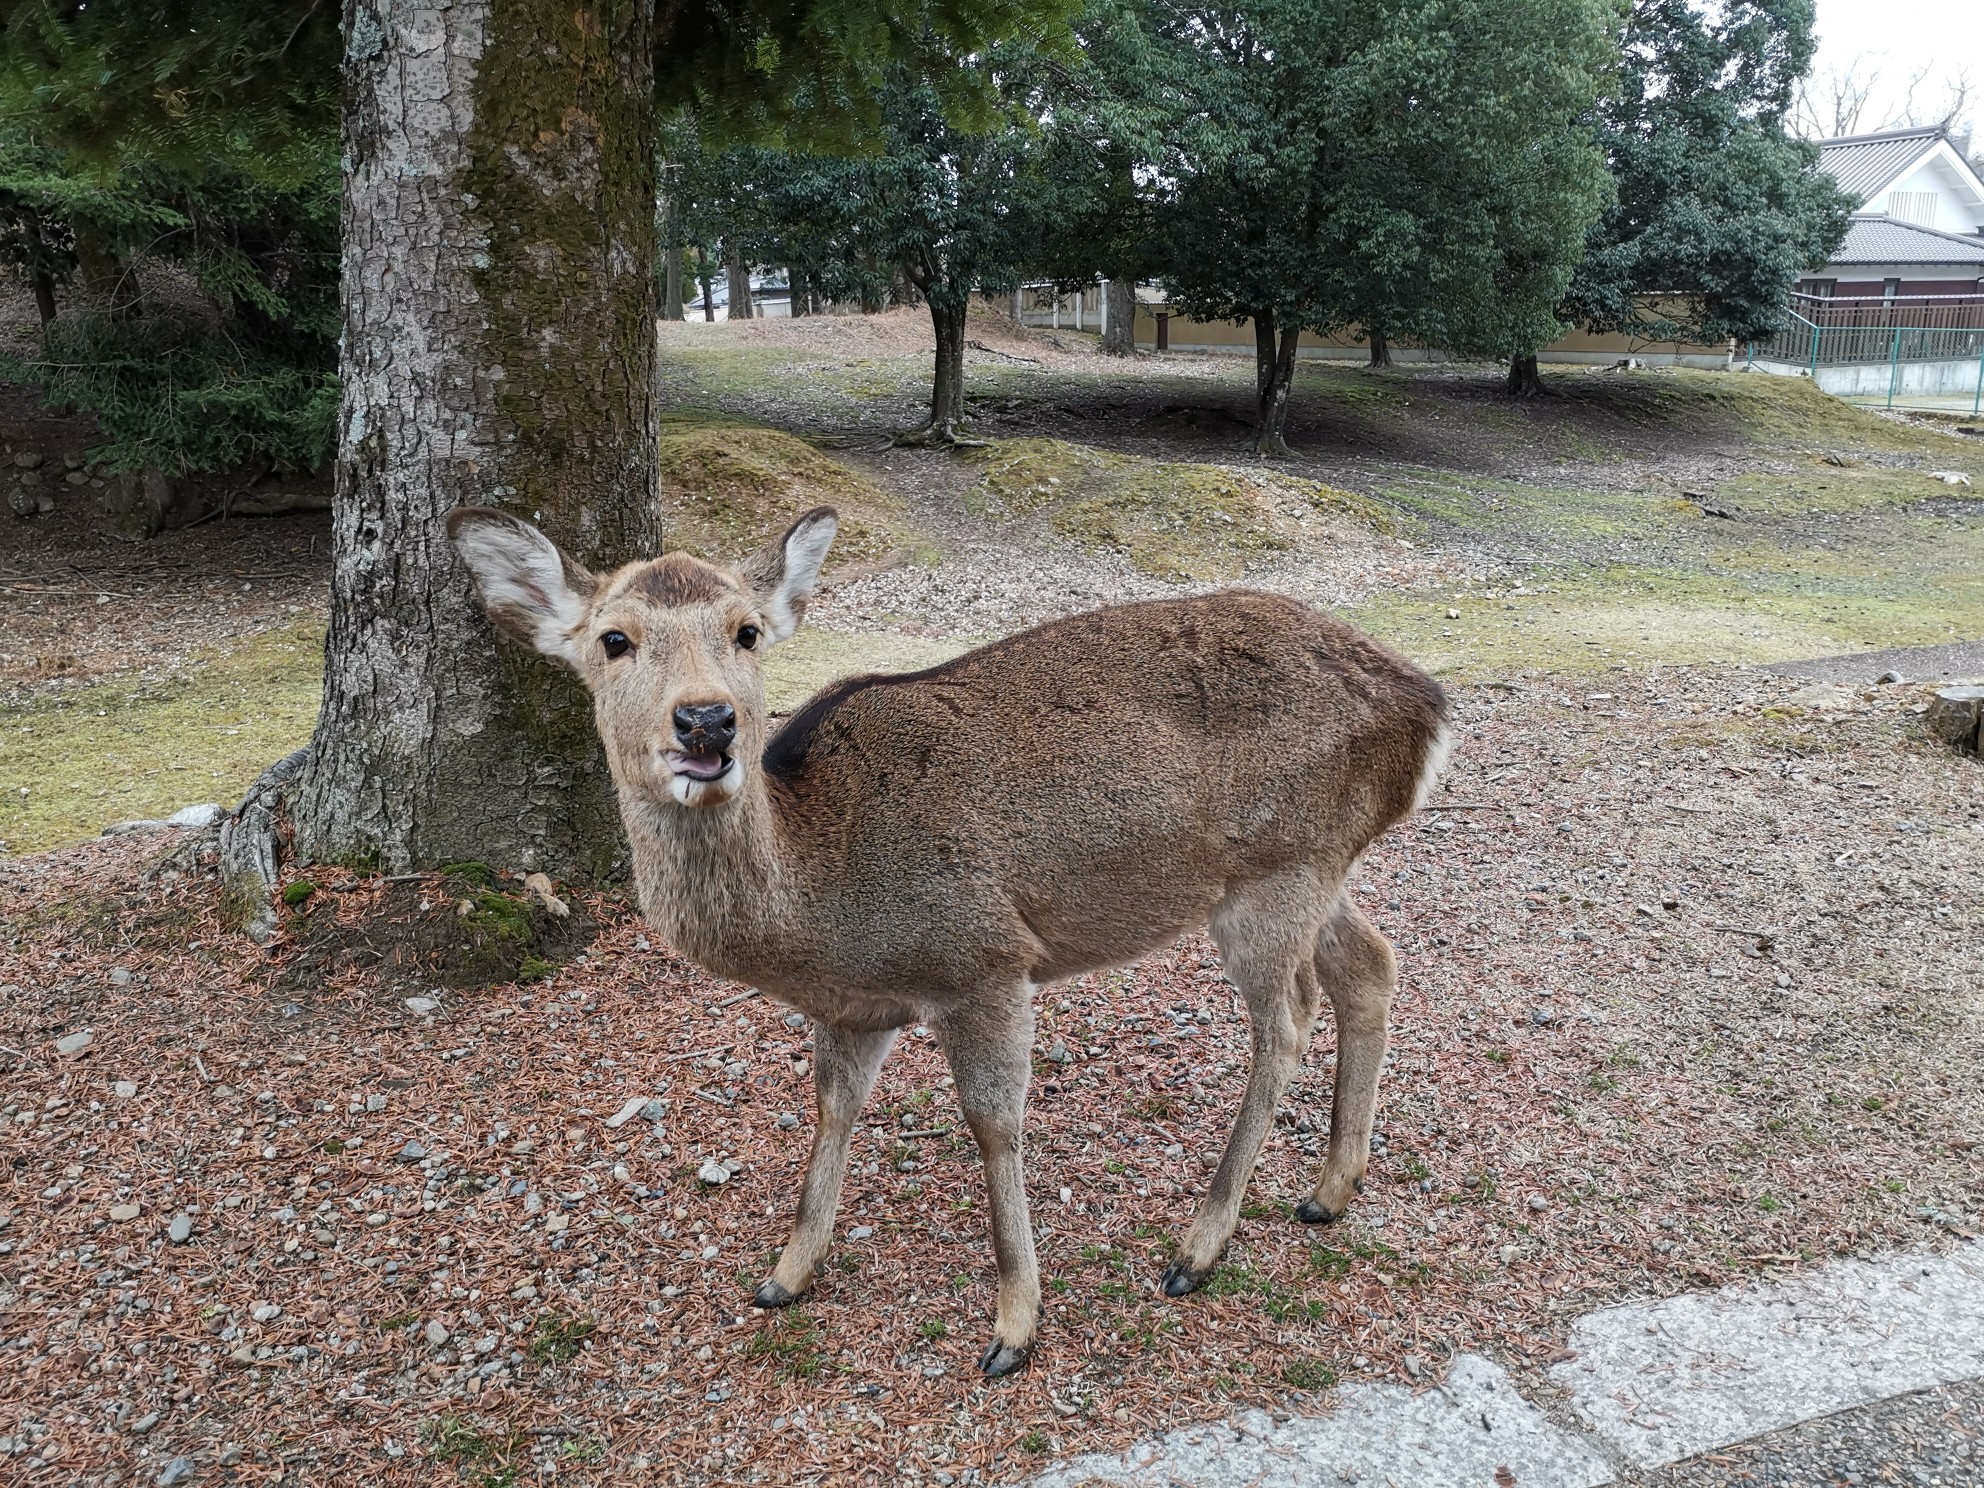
(1933, 177)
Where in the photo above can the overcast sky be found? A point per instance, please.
(1900, 37)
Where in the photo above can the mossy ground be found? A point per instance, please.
(116, 751)
(1173, 519)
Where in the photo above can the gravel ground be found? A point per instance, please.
(1934, 1439)
(1689, 994)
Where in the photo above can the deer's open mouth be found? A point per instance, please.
(712, 766)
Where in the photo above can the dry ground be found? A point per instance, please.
(1690, 990)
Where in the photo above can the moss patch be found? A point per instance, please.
(729, 487)
(115, 751)
(1173, 519)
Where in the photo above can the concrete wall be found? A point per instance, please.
(1916, 379)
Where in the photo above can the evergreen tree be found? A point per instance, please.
(1718, 207)
(1420, 169)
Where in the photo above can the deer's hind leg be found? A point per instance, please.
(1358, 971)
(990, 1047)
(1266, 933)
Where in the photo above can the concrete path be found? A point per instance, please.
(1959, 661)
(1650, 1384)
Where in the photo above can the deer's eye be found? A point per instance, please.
(748, 637)
(615, 643)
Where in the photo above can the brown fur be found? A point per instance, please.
(933, 847)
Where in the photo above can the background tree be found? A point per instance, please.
(1718, 208)
(1424, 169)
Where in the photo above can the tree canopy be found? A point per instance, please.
(1718, 207)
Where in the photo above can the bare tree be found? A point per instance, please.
(1842, 100)
(1833, 103)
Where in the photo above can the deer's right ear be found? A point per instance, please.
(533, 592)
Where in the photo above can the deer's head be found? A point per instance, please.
(670, 649)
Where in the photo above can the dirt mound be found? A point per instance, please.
(728, 487)
(888, 333)
(1171, 519)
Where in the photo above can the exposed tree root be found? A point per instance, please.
(250, 850)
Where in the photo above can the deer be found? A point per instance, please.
(931, 848)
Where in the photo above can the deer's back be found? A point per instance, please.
(1108, 776)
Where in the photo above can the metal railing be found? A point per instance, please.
(1931, 348)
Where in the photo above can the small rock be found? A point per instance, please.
(533, 1202)
(375, 1104)
(27, 460)
(421, 1005)
(1892, 676)
(787, 1120)
(120, 976)
(634, 1107)
(265, 1312)
(76, 478)
(1059, 1054)
(860, 1232)
(795, 1020)
(74, 1043)
(124, 1213)
(144, 1423)
(1538, 1203)
(713, 1173)
(124, 1089)
(180, 1230)
(1453, 614)
(412, 1152)
(557, 1224)
(538, 887)
(375, 1219)
(177, 1471)
(436, 1331)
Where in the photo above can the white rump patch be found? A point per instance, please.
(1437, 754)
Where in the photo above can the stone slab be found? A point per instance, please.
(1662, 1381)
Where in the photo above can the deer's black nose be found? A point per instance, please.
(706, 728)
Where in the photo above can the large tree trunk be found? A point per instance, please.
(1274, 377)
(1524, 380)
(1381, 348)
(499, 299)
(1120, 339)
(706, 278)
(946, 423)
(740, 282)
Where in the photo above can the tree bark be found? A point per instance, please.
(1524, 380)
(1381, 348)
(946, 422)
(740, 282)
(706, 278)
(1274, 377)
(671, 265)
(1121, 337)
(795, 295)
(44, 295)
(499, 297)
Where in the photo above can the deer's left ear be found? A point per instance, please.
(533, 592)
(785, 573)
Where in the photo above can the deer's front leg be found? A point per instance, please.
(991, 1055)
(845, 1064)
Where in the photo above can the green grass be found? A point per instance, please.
(112, 752)
(559, 1336)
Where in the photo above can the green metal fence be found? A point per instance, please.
(1919, 352)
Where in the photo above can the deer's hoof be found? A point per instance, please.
(1181, 1280)
(1310, 1212)
(1002, 1358)
(770, 1294)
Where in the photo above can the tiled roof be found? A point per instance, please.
(1875, 238)
(1864, 163)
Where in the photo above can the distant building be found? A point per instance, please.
(1919, 227)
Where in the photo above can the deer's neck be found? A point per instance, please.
(714, 882)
